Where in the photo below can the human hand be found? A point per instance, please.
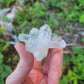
(28, 69)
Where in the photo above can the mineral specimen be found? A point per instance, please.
(38, 42)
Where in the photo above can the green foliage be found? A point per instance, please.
(6, 3)
(5, 19)
(56, 31)
(81, 19)
(80, 2)
(5, 70)
(53, 2)
(21, 19)
(76, 74)
(74, 16)
(2, 30)
(35, 15)
(63, 3)
(1, 58)
(64, 80)
(39, 10)
(82, 39)
(53, 22)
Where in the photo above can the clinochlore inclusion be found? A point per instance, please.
(39, 41)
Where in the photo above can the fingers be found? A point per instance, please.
(23, 67)
(27, 81)
(51, 53)
(46, 65)
(35, 76)
(44, 80)
(61, 58)
(37, 64)
(55, 68)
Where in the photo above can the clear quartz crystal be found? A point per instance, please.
(38, 42)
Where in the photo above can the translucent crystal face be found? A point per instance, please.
(34, 33)
(45, 32)
(38, 42)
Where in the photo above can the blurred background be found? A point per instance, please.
(66, 19)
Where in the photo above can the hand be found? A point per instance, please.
(28, 69)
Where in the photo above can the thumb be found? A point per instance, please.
(24, 66)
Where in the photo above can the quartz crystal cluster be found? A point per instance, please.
(38, 42)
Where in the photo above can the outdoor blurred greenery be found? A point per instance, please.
(36, 14)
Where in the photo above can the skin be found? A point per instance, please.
(28, 69)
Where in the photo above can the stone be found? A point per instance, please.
(39, 41)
